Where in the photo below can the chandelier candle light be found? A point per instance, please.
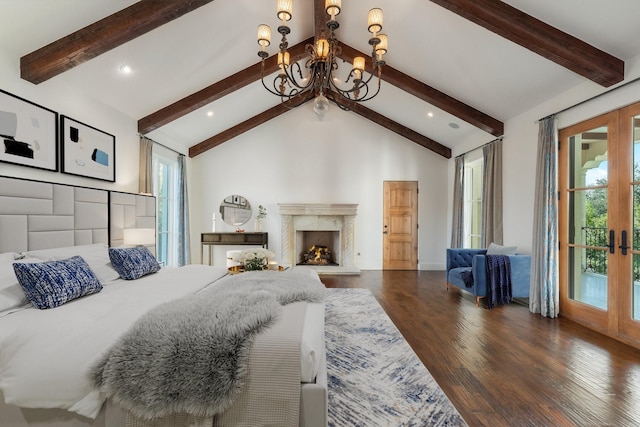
(290, 84)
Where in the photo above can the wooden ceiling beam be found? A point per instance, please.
(102, 36)
(217, 90)
(320, 18)
(393, 126)
(541, 38)
(431, 95)
(247, 125)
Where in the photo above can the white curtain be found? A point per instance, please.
(545, 295)
(492, 194)
(457, 228)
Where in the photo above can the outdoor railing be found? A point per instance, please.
(596, 259)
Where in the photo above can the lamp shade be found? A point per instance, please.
(358, 63)
(283, 60)
(375, 20)
(139, 236)
(285, 9)
(322, 48)
(381, 48)
(333, 7)
(264, 35)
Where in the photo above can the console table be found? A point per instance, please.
(231, 239)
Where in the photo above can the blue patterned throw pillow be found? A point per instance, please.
(53, 283)
(133, 263)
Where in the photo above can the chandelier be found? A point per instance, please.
(290, 84)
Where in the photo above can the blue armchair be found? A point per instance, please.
(459, 260)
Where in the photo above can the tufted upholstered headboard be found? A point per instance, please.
(130, 211)
(43, 215)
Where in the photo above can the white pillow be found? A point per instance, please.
(8, 256)
(12, 297)
(96, 255)
(494, 249)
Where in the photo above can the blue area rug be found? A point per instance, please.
(375, 378)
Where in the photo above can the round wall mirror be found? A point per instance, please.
(235, 210)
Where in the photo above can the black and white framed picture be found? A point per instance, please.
(28, 133)
(87, 151)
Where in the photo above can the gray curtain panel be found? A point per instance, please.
(145, 182)
(492, 194)
(184, 257)
(545, 295)
(457, 227)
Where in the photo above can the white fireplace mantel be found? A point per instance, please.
(322, 217)
(317, 209)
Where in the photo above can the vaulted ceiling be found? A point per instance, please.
(471, 64)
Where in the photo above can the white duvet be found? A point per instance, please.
(45, 354)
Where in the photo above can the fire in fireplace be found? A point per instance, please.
(318, 255)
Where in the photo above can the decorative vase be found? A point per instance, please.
(258, 225)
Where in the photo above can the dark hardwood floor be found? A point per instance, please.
(507, 366)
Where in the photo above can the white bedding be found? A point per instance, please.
(45, 354)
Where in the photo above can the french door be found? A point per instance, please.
(599, 211)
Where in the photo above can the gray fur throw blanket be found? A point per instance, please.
(190, 355)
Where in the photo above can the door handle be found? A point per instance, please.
(612, 239)
(623, 242)
(385, 230)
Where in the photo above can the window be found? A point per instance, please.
(473, 171)
(165, 188)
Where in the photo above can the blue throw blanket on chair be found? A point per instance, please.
(498, 280)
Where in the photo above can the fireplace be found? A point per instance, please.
(318, 247)
(330, 225)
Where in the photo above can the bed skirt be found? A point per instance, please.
(313, 411)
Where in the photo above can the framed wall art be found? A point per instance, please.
(28, 133)
(87, 151)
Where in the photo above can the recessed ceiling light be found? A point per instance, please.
(453, 125)
(125, 69)
(210, 113)
(430, 114)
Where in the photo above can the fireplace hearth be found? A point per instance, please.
(331, 225)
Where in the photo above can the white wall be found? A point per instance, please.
(296, 158)
(66, 100)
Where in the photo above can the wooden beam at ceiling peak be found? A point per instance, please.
(217, 90)
(432, 96)
(393, 126)
(541, 38)
(320, 18)
(356, 107)
(102, 36)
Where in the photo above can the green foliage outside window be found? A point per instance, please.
(596, 228)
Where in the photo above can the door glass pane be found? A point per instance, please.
(635, 238)
(473, 172)
(163, 213)
(588, 218)
(635, 292)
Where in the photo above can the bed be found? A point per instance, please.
(48, 357)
